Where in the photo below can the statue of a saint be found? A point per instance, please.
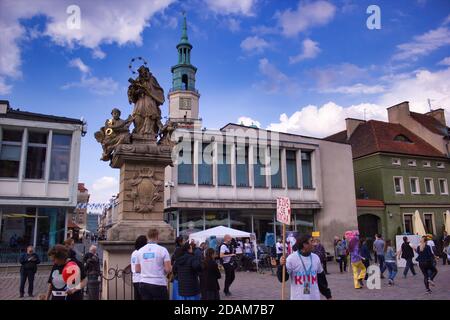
(147, 95)
(115, 132)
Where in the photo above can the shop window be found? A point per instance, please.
(224, 164)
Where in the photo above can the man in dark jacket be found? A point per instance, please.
(91, 263)
(407, 253)
(187, 267)
(29, 262)
(319, 249)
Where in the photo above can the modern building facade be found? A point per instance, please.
(400, 167)
(39, 163)
(233, 175)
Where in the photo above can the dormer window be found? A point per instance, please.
(402, 138)
(427, 164)
(396, 162)
(412, 163)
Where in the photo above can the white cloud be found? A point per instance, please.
(325, 120)
(337, 75)
(246, 121)
(445, 61)
(100, 86)
(4, 87)
(244, 7)
(310, 50)
(328, 119)
(103, 189)
(78, 63)
(307, 15)
(254, 44)
(233, 24)
(423, 45)
(358, 88)
(127, 19)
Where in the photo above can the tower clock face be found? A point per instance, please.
(185, 103)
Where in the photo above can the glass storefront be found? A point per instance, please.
(259, 222)
(24, 226)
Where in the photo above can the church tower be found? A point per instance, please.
(183, 96)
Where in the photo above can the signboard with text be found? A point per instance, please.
(284, 210)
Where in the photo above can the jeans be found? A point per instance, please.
(229, 276)
(392, 268)
(153, 292)
(93, 287)
(359, 273)
(429, 271)
(343, 263)
(196, 297)
(409, 266)
(24, 275)
(381, 262)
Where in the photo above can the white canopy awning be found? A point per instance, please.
(219, 232)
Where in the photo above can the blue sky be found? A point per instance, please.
(293, 65)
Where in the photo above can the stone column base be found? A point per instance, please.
(129, 230)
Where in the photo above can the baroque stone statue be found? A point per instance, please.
(166, 134)
(147, 95)
(114, 133)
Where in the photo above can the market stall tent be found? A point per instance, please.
(219, 232)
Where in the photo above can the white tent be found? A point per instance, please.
(418, 224)
(219, 232)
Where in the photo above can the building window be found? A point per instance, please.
(36, 152)
(205, 167)
(440, 165)
(443, 187)
(427, 164)
(414, 183)
(242, 166)
(275, 168)
(10, 150)
(291, 169)
(307, 170)
(429, 186)
(402, 138)
(396, 162)
(259, 160)
(398, 185)
(428, 223)
(60, 157)
(224, 164)
(185, 167)
(408, 222)
(191, 221)
(412, 163)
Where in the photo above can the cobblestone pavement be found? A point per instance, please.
(252, 285)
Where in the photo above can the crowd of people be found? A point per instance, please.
(193, 272)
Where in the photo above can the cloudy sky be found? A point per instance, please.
(294, 65)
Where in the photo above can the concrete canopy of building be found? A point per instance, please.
(39, 163)
(405, 164)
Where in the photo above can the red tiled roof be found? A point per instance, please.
(378, 136)
(369, 203)
(430, 123)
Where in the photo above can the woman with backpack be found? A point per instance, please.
(407, 252)
(210, 276)
(426, 263)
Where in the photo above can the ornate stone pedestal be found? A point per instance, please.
(140, 205)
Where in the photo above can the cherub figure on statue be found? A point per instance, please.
(115, 132)
(166, 134)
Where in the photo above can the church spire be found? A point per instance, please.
(184, 36)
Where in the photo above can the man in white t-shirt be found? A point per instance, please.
(279, 248)
(303, 267)
(153, 264)
(228, 264)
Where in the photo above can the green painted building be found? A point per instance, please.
(398, 172)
